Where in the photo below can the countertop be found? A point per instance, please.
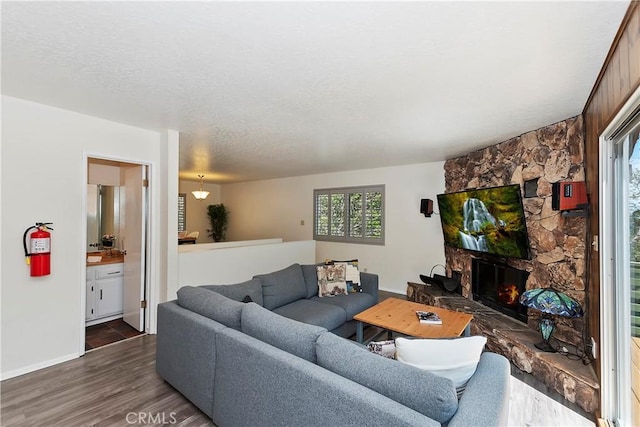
(115, 258)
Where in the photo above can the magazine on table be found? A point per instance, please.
(429, 317)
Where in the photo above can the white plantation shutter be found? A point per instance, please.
(182, 212)
(351, 215)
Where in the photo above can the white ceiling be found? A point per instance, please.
(263, 90)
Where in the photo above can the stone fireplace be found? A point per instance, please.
(499, 287)
(557, 243)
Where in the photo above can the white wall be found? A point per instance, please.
(413, 243)
(238, 264)
(44, 152)
(197, 219)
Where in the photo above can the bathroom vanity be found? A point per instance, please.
(105, 288)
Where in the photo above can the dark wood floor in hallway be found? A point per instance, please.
(107, 333)
(113, 386)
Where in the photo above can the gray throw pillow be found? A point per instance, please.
(282, 287)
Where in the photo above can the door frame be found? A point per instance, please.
(610, 360)
(151, 286)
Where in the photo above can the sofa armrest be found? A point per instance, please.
(185, 352)
(485, 401)
(369, 283)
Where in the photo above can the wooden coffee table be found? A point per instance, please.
(397, 315)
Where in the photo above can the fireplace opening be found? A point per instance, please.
(499, 287)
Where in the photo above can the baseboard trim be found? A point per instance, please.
(37, 366)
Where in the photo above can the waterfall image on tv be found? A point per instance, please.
(489, 220)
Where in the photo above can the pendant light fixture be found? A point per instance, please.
(200, 194)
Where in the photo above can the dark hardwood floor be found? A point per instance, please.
(113, 386)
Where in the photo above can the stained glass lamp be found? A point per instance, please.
(550, 302)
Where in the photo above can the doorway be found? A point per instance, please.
(117, 247)
(620, 273)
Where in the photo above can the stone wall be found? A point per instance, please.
(550, 154)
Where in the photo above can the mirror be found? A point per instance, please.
(103, 215)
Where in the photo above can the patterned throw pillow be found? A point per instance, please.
(331, 280)
(383, 348)
(352, 274)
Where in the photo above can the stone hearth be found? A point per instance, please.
(573, 380)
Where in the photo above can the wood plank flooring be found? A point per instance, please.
(117, 385)
(103, 388)
(114, 386)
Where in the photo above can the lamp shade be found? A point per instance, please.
(200, 194)
(551, 301)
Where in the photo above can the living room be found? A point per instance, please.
(49, 331)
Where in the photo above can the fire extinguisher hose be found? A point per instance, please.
(24, 242)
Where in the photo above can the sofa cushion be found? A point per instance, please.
(310, 279)
(286, 334)
(314, 313)
(239, 291)
(352, 304)
(421, 391)
(211, 304)
(282, 287)
(455, 359)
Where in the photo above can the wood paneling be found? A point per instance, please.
(618, 79)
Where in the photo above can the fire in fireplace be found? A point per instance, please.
(508, 294)
(499, 287)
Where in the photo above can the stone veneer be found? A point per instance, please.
(550, 154)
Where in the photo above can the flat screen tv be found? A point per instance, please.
(486, 220)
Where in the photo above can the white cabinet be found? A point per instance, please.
(105, 284)
(90, 295)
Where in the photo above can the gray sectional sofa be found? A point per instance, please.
(293, 292)
(243, 364)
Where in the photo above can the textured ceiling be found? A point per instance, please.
(263, 90)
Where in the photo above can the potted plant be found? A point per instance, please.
(219, 220)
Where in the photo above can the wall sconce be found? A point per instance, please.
(426, 207)
(200, 194)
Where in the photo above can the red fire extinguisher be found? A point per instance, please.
(38, 251)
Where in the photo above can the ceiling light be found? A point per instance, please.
(200, 194)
